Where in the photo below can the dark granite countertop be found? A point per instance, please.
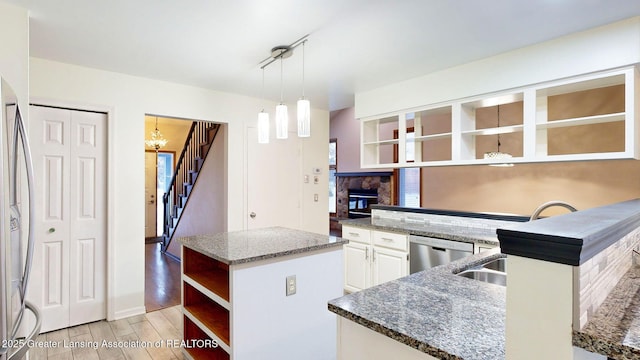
(435, 311)
(614, 330)
(457, 233)
(253, 245)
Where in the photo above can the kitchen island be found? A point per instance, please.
(260, 294)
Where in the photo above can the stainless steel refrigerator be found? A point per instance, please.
(16, 231)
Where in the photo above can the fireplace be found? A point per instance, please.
(376, 186)
(360, 201)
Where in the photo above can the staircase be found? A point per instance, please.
(196, 147)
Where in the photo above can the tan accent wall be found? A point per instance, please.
(520, 189)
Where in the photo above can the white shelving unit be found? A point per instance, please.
(456, 133)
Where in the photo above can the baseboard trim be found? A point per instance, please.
(140, 310)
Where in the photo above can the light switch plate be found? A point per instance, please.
(291, 285)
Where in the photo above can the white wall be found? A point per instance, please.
(128, 99)
(14, 51)
(596, 49)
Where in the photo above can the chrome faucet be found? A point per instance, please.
(541, 208)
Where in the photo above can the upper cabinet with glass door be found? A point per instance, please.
(589, 117)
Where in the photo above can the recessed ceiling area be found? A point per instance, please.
(353, 45)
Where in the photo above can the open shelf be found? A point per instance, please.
(193, 332)
(208, 272)
(588, 117)
(495, 130)
(586, 120)
(211, 314)
(433, 137)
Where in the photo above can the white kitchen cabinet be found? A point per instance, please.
(373, 257)
(388, 264)
(532, 122)
(356, 266)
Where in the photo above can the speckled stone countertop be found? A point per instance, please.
(259, 244)
(458, 233)
(614, 330)
(435, 311)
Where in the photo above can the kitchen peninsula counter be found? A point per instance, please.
(435, 312)
(441, 231)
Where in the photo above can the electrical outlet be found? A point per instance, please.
(291, 285)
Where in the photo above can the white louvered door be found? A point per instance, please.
(69, 269)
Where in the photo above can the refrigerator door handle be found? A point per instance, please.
(22, 350)
(20, 129)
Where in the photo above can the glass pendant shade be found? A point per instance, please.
(304, 118)
(263, 127)
(282, 121)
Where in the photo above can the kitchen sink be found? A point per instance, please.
(497, 265)
(493, 272)
(488, 276)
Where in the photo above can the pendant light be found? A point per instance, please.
(282, 113)
(498, 155)
(304, 108)
(157, 141)
(282, 52)
(263, 121)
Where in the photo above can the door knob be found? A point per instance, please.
(52, 230)
(253, 215)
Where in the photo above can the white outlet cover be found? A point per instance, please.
(291, 286)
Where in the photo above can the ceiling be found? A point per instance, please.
(353, 45)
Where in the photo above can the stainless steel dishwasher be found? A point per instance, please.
(427, 252)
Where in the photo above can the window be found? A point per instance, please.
(333, 166)
(407, 180)
(165, 173)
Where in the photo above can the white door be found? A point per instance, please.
(69, 268)
(357, 268)
(150, 194)
(388, 265)
(274, 181)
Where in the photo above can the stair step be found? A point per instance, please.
(186, 189)
(197, 163)
(193, 175)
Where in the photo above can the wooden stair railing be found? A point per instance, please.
(196, 147)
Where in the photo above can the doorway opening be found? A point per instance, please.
(162, 272)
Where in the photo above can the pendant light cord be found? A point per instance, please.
(281, 80)
(303, 43)
(262, 94)
(498, 128)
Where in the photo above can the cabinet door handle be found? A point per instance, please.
(387, 239)
(373, 254)
(366, 253)
(354, 234)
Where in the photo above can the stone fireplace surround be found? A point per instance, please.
(382, 181)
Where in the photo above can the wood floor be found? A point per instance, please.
(149, 336)
(161, 325)
(162, 279)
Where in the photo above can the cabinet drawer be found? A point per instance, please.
(356, 234)
(390, 240)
